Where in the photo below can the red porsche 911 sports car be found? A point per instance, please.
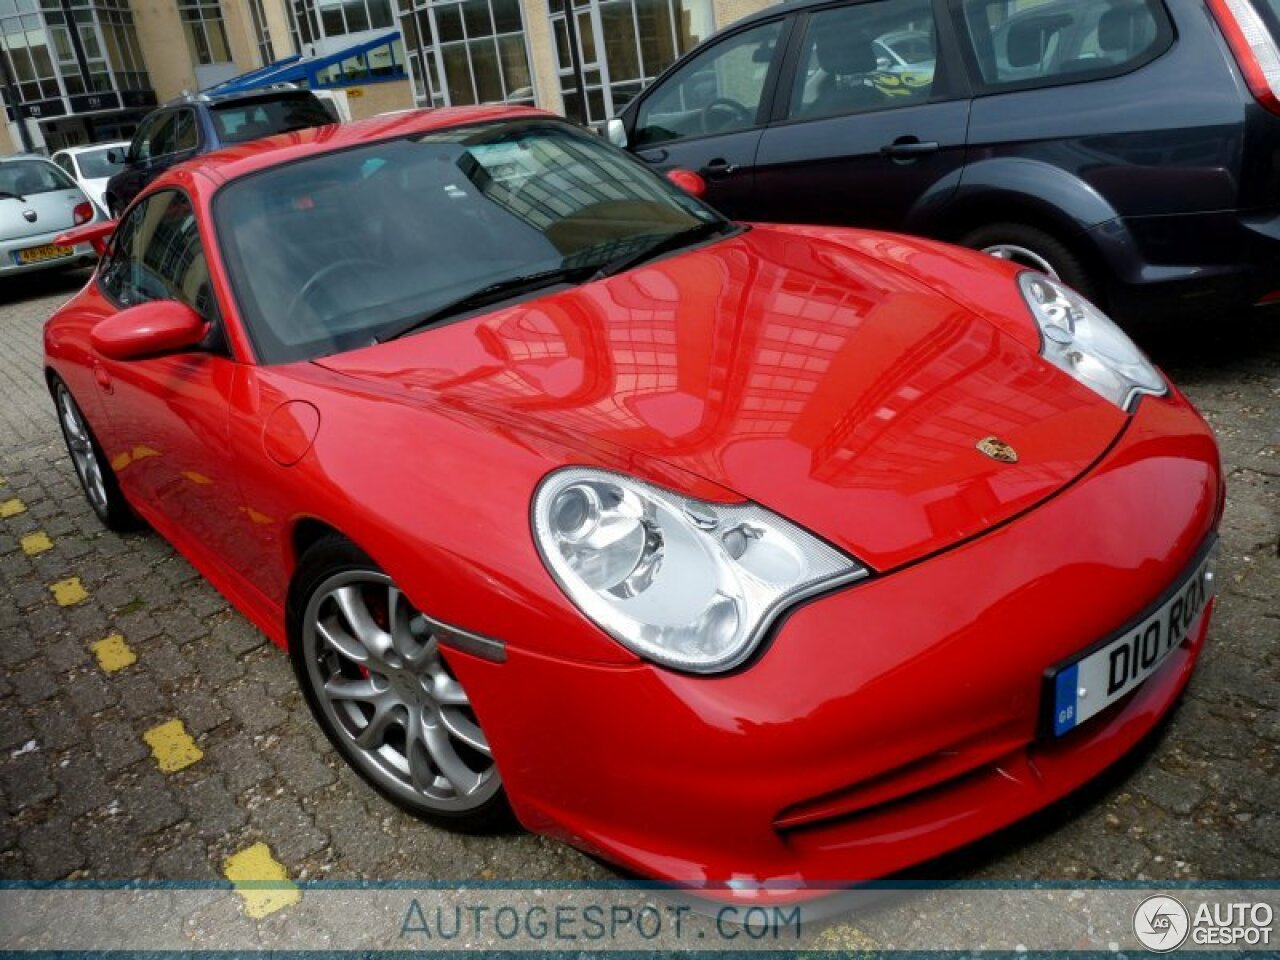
(756, 558)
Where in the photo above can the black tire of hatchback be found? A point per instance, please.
(1061, 258)
(335, 554)
(110, 506)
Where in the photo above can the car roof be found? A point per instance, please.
(86, 147)
(241, 159)
(236, 96)
(13, 157)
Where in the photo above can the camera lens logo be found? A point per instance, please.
(1161, 923)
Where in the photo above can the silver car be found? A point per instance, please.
(38, 201)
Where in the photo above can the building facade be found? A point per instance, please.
(85, 71)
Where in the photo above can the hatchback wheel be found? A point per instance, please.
(1035, 249)
(97, 479)
(374, 675)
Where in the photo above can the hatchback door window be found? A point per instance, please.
(718, 91)
(1061, 41)
(866, 56)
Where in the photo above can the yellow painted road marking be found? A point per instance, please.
(172, 746)
(69, 592)
(261, 880)
(11, 508)
(36, 543)
(114, 654)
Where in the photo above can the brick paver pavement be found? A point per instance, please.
(84, 725)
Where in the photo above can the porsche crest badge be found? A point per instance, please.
(997, 449)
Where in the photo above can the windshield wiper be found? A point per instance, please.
(490, 293)
(6, 195)
(671, 241)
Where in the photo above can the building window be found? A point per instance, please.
(40, 55)
(608, 50)
(261, 33)
(206, 32)
(466, 52)
(315, 21)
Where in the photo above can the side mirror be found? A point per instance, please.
(149, 329)
(96, 234)
(689, 182)
(616, 132)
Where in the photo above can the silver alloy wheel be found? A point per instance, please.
(1022, 256)
(80, 445)
(380, 680)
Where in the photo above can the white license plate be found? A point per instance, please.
(1097, 680)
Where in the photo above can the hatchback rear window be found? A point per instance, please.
(239, 122)
(1016, 43)
(21, 178)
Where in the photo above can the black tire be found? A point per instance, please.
(1062, 260)
(106, 501)
(328, 560)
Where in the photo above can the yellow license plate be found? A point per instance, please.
(50, 251)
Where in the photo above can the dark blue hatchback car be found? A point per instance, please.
(200, 123)
(1130, 147)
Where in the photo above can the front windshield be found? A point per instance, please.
(345, 248)
(22, 178)
(94, 164)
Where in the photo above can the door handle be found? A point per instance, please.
(907, 149)
(653, 156)
(718, 167)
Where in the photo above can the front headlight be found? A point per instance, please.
(689, 584)
(1079, 338)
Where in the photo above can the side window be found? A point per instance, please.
(865, 56)
(162, 144)
(64, 161)
(144, 145)
(184, 131)
(156, 255)
(718, 91)
(1053, 41)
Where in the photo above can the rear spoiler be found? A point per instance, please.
(97, 234)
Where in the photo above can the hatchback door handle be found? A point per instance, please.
(905, 149)
(719, 167)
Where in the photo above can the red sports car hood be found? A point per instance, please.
(831, 386)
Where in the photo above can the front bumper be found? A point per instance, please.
(884, 724)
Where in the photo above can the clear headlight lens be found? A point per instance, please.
(1083, 341)
(689, 584)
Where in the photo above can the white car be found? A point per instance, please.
(91, 167)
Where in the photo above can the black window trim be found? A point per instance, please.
(1165, 39)
(768, 95)
(216, 341)
(955, 86)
